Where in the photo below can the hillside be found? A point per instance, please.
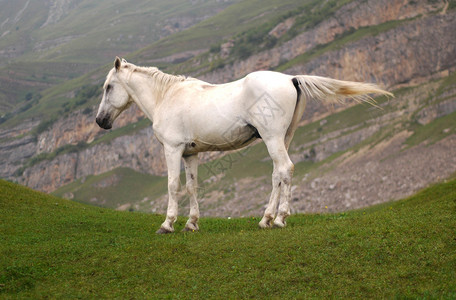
(57, 248)
(46, 43)
(344, 159)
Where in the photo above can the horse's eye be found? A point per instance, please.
(109, 87)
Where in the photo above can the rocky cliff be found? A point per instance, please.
(399, 43)
(408, 54)
(140, 152)
(349, 18)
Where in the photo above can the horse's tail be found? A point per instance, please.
(329, 90)
(332, 90)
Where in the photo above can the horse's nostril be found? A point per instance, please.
(103, 122)
(99, 122)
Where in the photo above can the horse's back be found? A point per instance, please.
(268, 81)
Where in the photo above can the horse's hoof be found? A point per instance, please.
(264, 225)
(266, 221)
(279, 224)
(163, 231)
(188, 229)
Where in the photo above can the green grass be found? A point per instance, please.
(61, 249)
(19, 79)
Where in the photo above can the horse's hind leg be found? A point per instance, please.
(269, 213)
(281, 183)
(285, 196)
(191, 174)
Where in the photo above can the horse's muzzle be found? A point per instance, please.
(104, 122)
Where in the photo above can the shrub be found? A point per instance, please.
(44, 125)
(215, 49)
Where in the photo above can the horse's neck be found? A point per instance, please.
(142, 93)
(148, 88)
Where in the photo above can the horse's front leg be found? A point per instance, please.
(173, 157)
(191, 174)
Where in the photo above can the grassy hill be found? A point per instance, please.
(57, 248)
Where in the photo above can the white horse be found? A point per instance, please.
(191, 116)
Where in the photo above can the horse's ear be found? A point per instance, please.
(117, 63)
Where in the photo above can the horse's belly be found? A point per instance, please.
(230, 139)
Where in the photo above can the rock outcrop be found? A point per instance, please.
(408, 54)
(140, 152)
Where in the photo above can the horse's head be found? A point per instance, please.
(115, 98)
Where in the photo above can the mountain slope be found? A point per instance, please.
(57, 247)
(45, 44)
(55, 141)
(87, 31)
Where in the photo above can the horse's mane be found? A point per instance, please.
(156, 74)
(162, 81)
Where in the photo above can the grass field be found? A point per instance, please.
(61, 249)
